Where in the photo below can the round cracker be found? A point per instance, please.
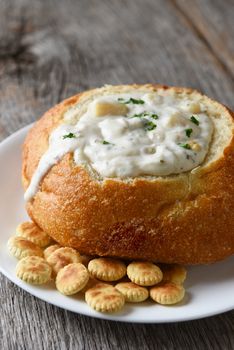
(62, 257)
(132, 292)
(144, 273)
(49, 250)
(174, 273)
(107, 269)
(20, 247)
(167, 293)
(72, 278)
(104, 297)
(30, 231)
(33, 270)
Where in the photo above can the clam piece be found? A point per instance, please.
(175, 120)
(107, 108)
(191, 107)
(195, 146)
(195, 107)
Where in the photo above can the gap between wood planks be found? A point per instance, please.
(193, 27)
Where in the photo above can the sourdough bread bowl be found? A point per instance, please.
(151, 177)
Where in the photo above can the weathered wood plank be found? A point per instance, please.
(213, 22)
(33, 324)
(52, 49)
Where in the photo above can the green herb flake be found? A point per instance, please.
(104, 142)
(194, 120)
(140, 115)
(69, 136)
(149, 125)
(188, 132)
(185, 145)
(131, 100)
(154, 116)
(145, 114)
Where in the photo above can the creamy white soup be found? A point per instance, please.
(130, 135)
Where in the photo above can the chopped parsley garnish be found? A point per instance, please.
(131, 100)
(69, 136)
(104, 142)
(194, 120)
(188, 132)
(140, 115)
(154, 116)
(149, 125)
(145, 114)
(185, 145)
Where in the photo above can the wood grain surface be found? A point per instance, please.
(52, 49)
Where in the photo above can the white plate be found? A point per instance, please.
(209, 289)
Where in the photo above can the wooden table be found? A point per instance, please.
(50, 50)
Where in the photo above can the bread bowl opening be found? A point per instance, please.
(129, 132)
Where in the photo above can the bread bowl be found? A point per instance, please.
(152, 180)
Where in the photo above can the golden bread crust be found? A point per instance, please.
(185, 219)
